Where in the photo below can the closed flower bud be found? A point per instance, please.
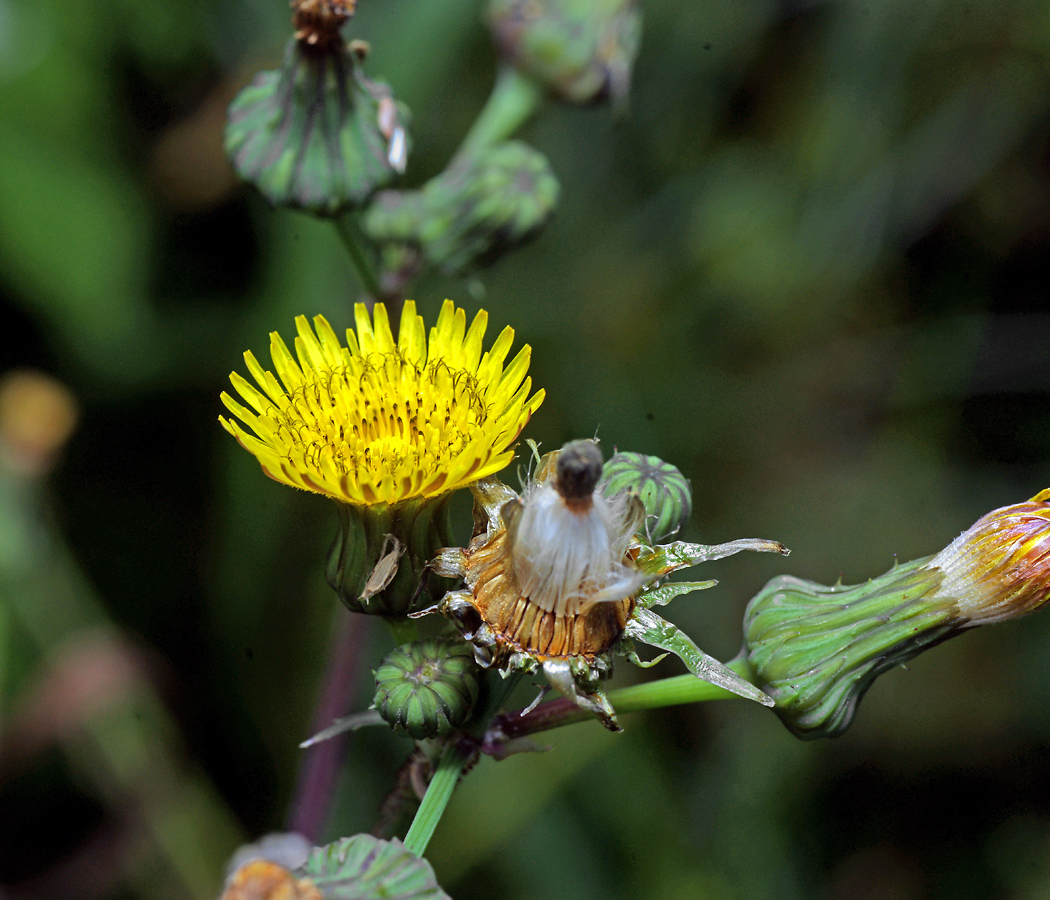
(582, 51)
(427, 688)
(1000, 567)
(474, 212)
(815, 650)
(664, 491)
(317, 134)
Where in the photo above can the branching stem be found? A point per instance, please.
(513, 100)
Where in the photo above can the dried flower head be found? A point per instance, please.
(561, 579)
(379, 422)
(567, 542)
(317, 22)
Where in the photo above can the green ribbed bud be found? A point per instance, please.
(427, 688)
(815, 650)
(664, 491)
(317, 134)
(376, 562)
(581, 51)
(475, 211)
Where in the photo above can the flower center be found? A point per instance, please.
(382, 412)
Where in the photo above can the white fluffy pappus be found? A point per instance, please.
(568, 555)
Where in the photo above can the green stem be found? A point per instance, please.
(350, 234)
(673, 691)
(404, 631)
(652, 695)
(447, 775)
(513, 100)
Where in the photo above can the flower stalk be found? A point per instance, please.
(350, 234)
(675, 691)
(513, 100)
(454, 760)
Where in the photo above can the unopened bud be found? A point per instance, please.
(317, 134)
(815, 650)
(664, 491)
(582, 51)
(474, 212)
(427, 688)
(999, 568)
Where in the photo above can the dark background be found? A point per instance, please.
(808, 266)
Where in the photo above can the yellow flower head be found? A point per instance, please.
(381, 422)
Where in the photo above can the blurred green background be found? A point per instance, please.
(809, 267)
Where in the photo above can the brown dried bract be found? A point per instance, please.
(317, 22)
(261, 879)
(519, 624)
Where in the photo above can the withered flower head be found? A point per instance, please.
(562, 579)
(317, 22)
(566, 542)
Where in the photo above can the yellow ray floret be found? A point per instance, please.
(381, 422)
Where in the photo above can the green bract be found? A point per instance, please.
(427, 688)
(580, 50)
(472, 213)
(317, 134)
(664, 491)
(376, 561)
(815, 650)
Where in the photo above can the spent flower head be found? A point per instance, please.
(563, 578)
(999, 568)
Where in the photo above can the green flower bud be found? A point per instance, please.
(317, 134)
(664, 491)
(815, 650)
(472, 213)
(427, 688)
(580, 50)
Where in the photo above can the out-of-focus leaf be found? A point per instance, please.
(363, 867)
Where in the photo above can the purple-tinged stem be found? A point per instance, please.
(321, 764)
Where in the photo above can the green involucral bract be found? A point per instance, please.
(664, 491)
(427, 688)
(581, 51)
(474, 212)
(316, 134)
(815, 650)
(363, 867)
(381, 575)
